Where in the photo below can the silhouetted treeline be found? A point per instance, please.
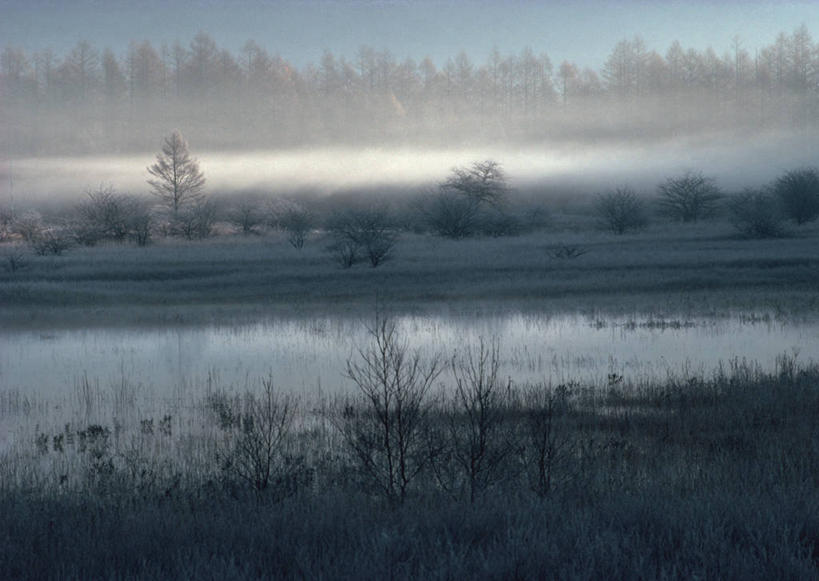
(96, 101)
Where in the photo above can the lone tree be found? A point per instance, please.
(459, 209)
(178, 179)
(798, 190)
(484, 182)
(689, 197)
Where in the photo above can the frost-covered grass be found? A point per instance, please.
(701, 269)
(710, 477)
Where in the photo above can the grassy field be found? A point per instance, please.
(700, 269)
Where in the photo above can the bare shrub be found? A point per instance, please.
(756, 214)
(383, 426)
(689, 197)
(102, 215)
(477, 444)
(140, 223)
(296, 221)
(52, 241)
(107, 215)
(13, 258)
(257, 448)
(620, 211)
(451, 216)
(195, 222)
(246, 217)
(6, 223)
(369, 232)
(345, 252)
(28, 225)
(566, 251)
(548, 446)
(798, 191)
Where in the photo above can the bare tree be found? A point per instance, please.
(798, 190)
(483, 182)
(384, 426)
(620, 211)
(689, 197)
(178, 179)
(460, 207)
(478, 443)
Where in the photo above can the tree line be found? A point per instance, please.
(91, 100)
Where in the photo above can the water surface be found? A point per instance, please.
(309, 355)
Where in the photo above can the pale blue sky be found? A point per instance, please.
(583, 31)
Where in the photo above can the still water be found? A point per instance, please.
(309, 355)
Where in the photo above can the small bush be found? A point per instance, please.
(756, 214)
(257, 446)
(28, 225)
(621, 211)
(295, 220)
(368, 231)
(13, 258)
(51, 241)
(246, 217)
(798, 191)
(195, 222)
(566, 251)
(6, 223)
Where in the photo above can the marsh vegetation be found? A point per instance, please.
(380, 360)
(430, 466)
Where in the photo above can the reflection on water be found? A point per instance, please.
(308, 355)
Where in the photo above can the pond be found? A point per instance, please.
(308, 355)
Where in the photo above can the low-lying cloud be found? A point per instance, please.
(735, 162)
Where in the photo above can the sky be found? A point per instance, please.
(583, 31)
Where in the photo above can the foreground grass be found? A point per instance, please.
(696, 269)
(697, 477)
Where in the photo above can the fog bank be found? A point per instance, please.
(736, 163)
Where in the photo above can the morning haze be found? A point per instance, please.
(409, 290)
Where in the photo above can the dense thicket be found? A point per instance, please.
(95, 101)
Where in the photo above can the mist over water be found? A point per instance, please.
(587, 168)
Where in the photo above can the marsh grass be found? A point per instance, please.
(701, 264)
(706, 476)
